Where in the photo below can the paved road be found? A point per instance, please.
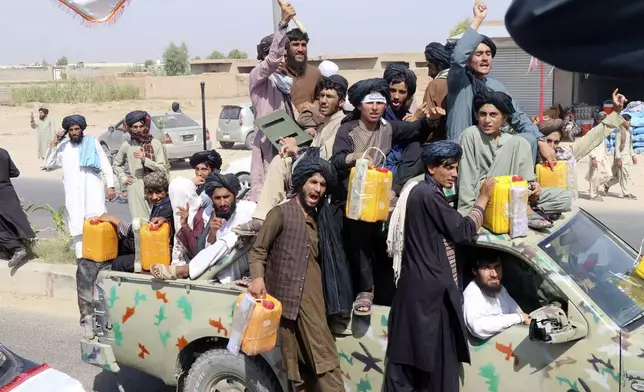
(46, 330)
(51, 192)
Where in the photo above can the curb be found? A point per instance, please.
(40, 279)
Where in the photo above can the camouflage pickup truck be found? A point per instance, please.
(575, 280)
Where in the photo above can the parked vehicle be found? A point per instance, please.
(240, 168)
(182, 135)
(236, 125)
(18, 374)
(587, 331)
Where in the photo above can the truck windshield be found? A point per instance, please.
(601, 264)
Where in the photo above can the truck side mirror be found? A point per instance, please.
(111, 128)
(550, 324)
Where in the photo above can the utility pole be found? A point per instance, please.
(277, 14)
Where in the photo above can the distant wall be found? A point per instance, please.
(228, 85)
(15, 75)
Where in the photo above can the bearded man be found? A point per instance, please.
(285, 262)
(211, 236)
(438, 63)
(84, 165)
(45, 131)
(305, 76)
(143, 154)
(469, 75)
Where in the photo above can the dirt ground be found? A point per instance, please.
(17, 137)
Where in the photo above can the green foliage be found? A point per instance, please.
(148, 64)
(237, 54)
(74, 91)
(44, 64)
(52, 250)
(216, 55)
(175, 59)
(197, 58)
(460, 27)
(62, 61)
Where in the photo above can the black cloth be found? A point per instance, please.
(361, 89)
(14, 225)
(136, 116)
(487, 41)
(582, 48)
(397, 72)
(264, 47)
(427, 297)
(435, 153)
(176, 107)
(211, 158)
(500, 100)
(439, 54)
(309, 165)
(44, 110)
(408, 378)
(409, 167)
(74, 119)
(218, 180)
(86, 274)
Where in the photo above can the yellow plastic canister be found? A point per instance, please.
(497, 218)
(155, 245)
(557, 178)
(263, 323)
(100, 242)
(373, 197)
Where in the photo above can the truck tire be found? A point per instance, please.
(250, 138)
(220, 370)
(227, 145)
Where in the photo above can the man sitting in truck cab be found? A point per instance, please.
(156, 189)
(211, 238)
(488, 307)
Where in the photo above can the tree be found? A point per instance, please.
(175, 59)
(197, 58)
(148, 64)
(62, 61)
(216, 55)
(45, 64)
(237, 54)
(460, 27)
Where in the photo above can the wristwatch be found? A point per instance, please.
(281, 25)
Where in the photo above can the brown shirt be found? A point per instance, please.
(303, 89)
(435, 96)
(284, 246)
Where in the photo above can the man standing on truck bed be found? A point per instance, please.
(285, 262)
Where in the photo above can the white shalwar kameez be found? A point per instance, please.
(84, 188)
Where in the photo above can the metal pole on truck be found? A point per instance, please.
(277, 14)
(203, 113)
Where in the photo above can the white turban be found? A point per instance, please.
(328, 68)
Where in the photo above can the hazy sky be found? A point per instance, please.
(42, 29)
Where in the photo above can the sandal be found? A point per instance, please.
(363, 301)
(537, 222)
(597, 198)
(629, 196)
(164, 272)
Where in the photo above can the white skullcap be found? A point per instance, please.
(328, 68)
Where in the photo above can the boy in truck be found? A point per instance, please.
(156, 190)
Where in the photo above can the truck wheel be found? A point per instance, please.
(219, 370)
(227, 145)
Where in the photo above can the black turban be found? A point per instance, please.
(228, 181)
(399, 73)
(307, 166)
(435, 153)
(501, 101)
(297, 35)
(365, 87)
(335, 82)
(439, 54)
(136, 116)
(487, 41)
(44, 110)
(75, 119)
(211, 158)
(175, 107)
(264, 47)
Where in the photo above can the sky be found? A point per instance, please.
(34, 30)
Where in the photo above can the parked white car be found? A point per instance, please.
(18, 374)
(240, 168)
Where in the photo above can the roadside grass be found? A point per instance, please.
(55, 250)
(74, 91)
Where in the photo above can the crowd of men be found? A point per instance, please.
(306, 253)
